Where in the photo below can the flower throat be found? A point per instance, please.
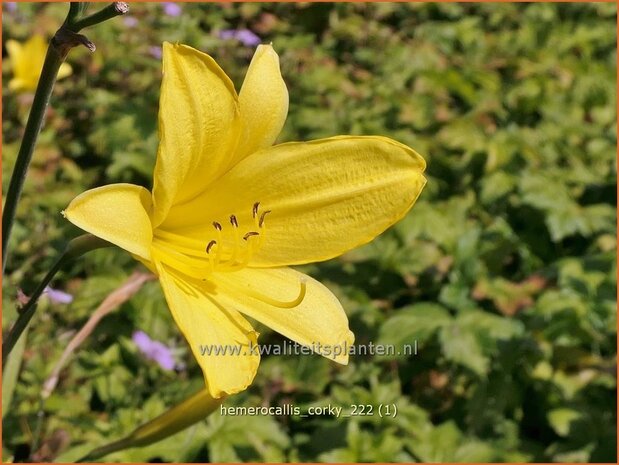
(229, 249)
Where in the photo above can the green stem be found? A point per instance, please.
(65, 38)
(110, 11)
(190, 411)
(53, 60)
(76, 9)
(75, 248)
(105, 450)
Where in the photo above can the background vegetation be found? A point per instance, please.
(504, 272)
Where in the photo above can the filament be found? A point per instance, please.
(222, 251)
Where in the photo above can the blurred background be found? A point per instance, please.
(504, 272)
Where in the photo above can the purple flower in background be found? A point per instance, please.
(245, 36)
(11, 6)
(130, 21)
(155, 52)
(57, 296)
(154, 350)
(172, 9)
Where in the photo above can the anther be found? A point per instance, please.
(249, 234)
(210, 246)
(254, 211)
(233, 221)
(216, 225)
(264, 213)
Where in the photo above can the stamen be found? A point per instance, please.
(246, 254)
(210, 245)
(237, 239)
(261, 222)
(249, 234)
(280, 303)
(219, 241)
(212, 262)
(224, 252)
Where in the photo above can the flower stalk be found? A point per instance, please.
(75, 248)
(181, 416)
(65, 38)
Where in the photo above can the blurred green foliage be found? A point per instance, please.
(504, 272)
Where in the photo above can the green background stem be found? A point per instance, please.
(110, 11)
(53, 60)
(76, 248)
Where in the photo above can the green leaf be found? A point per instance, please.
(439, 445)
(415, 323)
(10, 374)
(561, 418)
(462, 347)
(496, 185)
(473, 451)
(228, 435)
(490, 326)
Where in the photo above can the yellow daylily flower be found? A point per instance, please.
(229, 213)
(26, 62)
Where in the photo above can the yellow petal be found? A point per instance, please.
(264, 102)
(26, 61)
(31, 62)
(325, 197)
(207, 325)
(64, 71)
(117, 213)
(318, 322)
(17, 85)
(14, 50)
(36, 46)
(199, 125)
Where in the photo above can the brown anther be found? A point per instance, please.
(217, 225)
(249, 234)
(254, 211)
(233, 221)
(264, 213)
(210, 246)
